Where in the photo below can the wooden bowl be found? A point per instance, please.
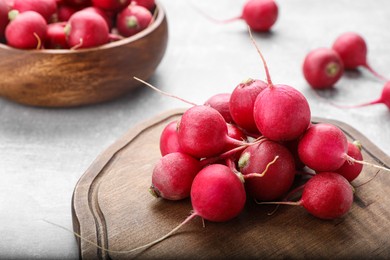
(65, 78)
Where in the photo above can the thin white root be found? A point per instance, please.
(353, 160)
(131, 250)
(163, 92)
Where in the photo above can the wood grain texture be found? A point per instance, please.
(112, 206)
(64, 78)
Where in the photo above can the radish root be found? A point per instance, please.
(353, 160)
(252, 175)
(163, 92)
(191, 216)
(269, 81)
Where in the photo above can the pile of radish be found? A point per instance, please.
(252, 144)
(71, 24)
(323, 67)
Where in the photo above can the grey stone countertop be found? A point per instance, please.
(44, 152)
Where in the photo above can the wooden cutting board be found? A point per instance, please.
(112, 207)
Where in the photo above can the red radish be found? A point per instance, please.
(101, 12)
(279, 176)
(64, 12)
(217, 194)
(351, 171)
(133, 19)
(203, 132)
(242, 101)
(235, 133)
(352, 49)
(281, 112)
(259, 15)
(86, 29)
(173, 175)
(26, 30)
(111, 5)
(56, 37)
(47, 8)
(148, 4)
(169, 141)
(322, 68)
(3, 18)
(323, 147)
(220, 102)
(326, 195)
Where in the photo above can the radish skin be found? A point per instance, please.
(220, 102)
(169, 141)
(26, 31)
(352, 49)
(203, 132)
(326, 195)
(259, 15)
(349, 170)
(323, 147)
(322, 68)
(278, 177)
(173, 175)
(281, 112)
(242, 102)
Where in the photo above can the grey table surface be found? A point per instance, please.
(44, 152)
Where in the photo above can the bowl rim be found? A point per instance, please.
(157, 22)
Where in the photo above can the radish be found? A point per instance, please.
(133, 19)
(242, 101)
(111, 5)
(148, 4)
(235, 133)
(217, 194)
(169, 141)
(64, 12)
(102, 13)
(56, 37)
(259, 15)
(279, 176)
(173, 175)
(3, 18)
(323, 147)
(47, 8)
(351, 171)
(203, 132)
(26, 30)
(352, 49)
(322, 68)
(281, 112)
(220, 102)
(86, 29)
(326, 195)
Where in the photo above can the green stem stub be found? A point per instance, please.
(132, 22)
(154, 192)
(332, 69)
(244, 159)
(12, 14)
